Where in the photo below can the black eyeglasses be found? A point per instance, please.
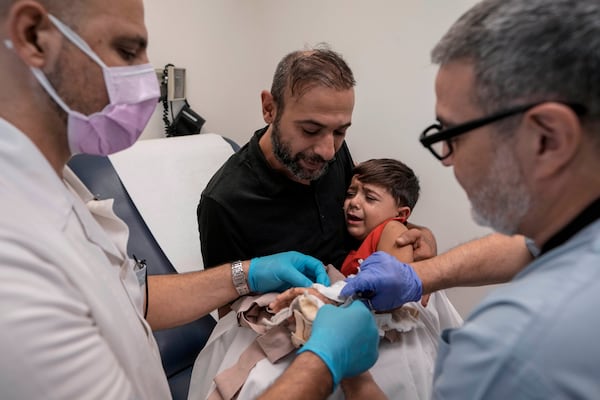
(437, 139)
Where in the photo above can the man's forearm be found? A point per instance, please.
(177, 299)
(492, 259)
(307, 378)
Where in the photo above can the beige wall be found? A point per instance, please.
(230, 49)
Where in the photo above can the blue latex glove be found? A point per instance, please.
(385, 282)
(345, 338)
(282, 271)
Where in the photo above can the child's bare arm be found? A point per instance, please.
(387, 242)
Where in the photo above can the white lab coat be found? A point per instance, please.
(71, 323)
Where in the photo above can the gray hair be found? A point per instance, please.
(304, 69)
(529, 50)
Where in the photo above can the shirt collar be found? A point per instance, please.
(590, 214)
(97, 218)
(25, 169)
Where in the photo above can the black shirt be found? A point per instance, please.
(249, 210)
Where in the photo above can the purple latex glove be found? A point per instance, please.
(384, 283)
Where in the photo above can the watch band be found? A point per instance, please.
(239, 278)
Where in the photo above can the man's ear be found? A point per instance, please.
(557, 135)
(269, 108)
(30, 32)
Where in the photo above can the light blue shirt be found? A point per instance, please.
(535, 338)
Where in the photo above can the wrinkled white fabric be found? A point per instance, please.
(331, 292)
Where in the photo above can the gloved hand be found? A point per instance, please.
(345, 338)
(282, 271)
(386, 282)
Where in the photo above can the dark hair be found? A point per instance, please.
(304, 69)
(397, 177)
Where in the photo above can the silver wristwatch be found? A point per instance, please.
(239, 278)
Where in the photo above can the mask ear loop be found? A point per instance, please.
(85, 48)
(76, 40)
(41, 78)
(39, 75)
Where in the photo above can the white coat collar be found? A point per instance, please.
(25, 169)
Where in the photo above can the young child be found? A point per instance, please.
(380, 198)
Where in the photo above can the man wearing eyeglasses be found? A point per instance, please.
(518, 110)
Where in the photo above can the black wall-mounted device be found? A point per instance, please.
(172, 83)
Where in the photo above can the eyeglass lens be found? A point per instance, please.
(442, 148)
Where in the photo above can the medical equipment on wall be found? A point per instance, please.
(172, 84)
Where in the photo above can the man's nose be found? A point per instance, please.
(448, 161)
(325, 147)
(447, 149)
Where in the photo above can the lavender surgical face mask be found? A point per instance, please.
(133, 95)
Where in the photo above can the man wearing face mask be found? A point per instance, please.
(72, 321)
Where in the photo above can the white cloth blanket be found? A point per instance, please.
(404, 368)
